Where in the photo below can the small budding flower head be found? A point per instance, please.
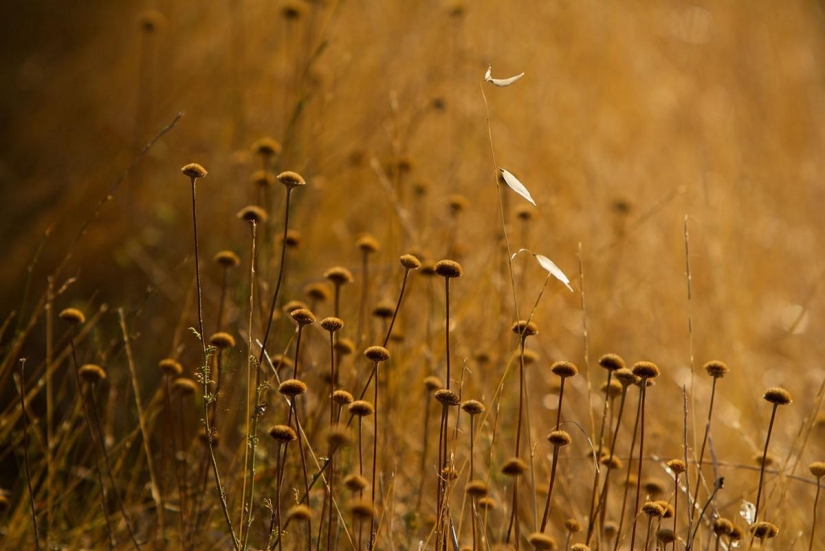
(317, 291)
(763, 530)
(646, 370)
(302, 316)
(338, 436)
(72, 316)
(227, 259)
(410, 262)
(564, 369)
(263, 178)
(344, 346)
(457, 203)
(355, 482)
(778, 396)
(612, 463)
(170, 367)
(185, 386)
(473, 407)
(332, 324)
(194, 170)
(377, 354)
(92, 373)
(653, 486)
(476, 488)
(817, 469)
(448, 269)
(611, 528)
(525, 328)
(361, 408)
(542, 541)
(282, 433)
(611, 362)
(612, 390)
(433, 383)
(677, 466)
(579, 547)
(293, 238)
(652, 509)
(514, 467)
(291, 179)
(572, 525)
(722, 527)
(342, 397)
(559, 438)
(383, 310)
(299, 512)
(292, 387)
(667, 508)
(362, 509)
(222, 340)
(716, 369)
(252, 213)
(626, 377)
(447, 397)
(293, 305)
(339, 275)
(487, 503)
(266, 147)
(367, 243)
(736, 534)
(665, 535)
(523, 212)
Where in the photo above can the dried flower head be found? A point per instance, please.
(476, 488)
(170, 367)
(299, 512)
(185, 386)
(367, 243)
(525, 328)
(292, 239)
(579, 547)
(292, 387)
(473, 407)
(652, 509)
(677, 466)
(361, 408)
(377, 354)
(383, 310)
(263, 178)
(342, 397)
(92, 373)
(266, 147)
(282, 433)
(151, 20)
(778, 396)
(72, 316)
(564, 369)
(542, 541)
(339, 275)
(646, 370)
(525, 213)
(410, 262)
(338, 436)
(612, 390)
(667, 508)
(448, 269)
(722, 527)
(317, 291)
(612, 463)
(227, 259)
(653, 487)
(252, 213)
(344, 346)
(362, 509)
(447, 397)
(817, 468)
(355, 482)
(279, 361)
(611, 362)
(625, 377)
(514, 466)
(433, 383)
(302, 316)
(291, 179)
(332, 324)
(572, 525)
(665, 535)
(457, 203)
(559, 438)
(194, 170)
(487, 503)
(611, 528)
(716, 369)
(764, 530)
(293, 305)
(222, 340)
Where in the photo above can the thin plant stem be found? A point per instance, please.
(762, 466)
(814, 512)
(27, 467)
(643, 388)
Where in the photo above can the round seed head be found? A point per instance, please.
(377, 354)
(525, 213)
(317, 291)
(170, 367)
(612, 463)
(185, 386)
(572, 525)
(625, 377)
(817, 469)
(291, 179)
(361, 408)
(92, 373)
(473, 407)
(383, 310)
(367, 243)
(646, 370)
(476, 488)
(263, 178)
(293, 305)
(410, 262)
(530, 356)
(542, 541)
(302, 316)
(716, 369)
(722, 527)
(653, 487)
(338, 436)
(282, 433)
(767, 458)
(342, 397)
(677, 466)
(72, 316)
(665, 535)
(559, 438)
(266, 147)
(280, 361)
(514, 467)
(292, 387)
(299, 512)
(447, 397)
(227, 259)
(611, 528)
(611, 362)
(448, 269)
(564, 369)
(457, 203)
(525, 328)
(355, 482)
(612, 390)
(339, 275)
(332, 324)
(579, 547)
(736, 534)
(764, 530)
(344, 346)
(778, 396)
(222, 340)
(487, 503)
(433, 383)
(427, 269)
(252, 213)
(667, 508)
(652, 509)
(194, 170)
(362, 509)
(293, 239)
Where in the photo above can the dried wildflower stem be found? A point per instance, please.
(643, 388)
(26, 466)
(373, 534)
(700, 459)
(155, 491)
(50, 442)
(763, 463)
(627, 476)
(205, 371)
(514, 509)
(814, 512)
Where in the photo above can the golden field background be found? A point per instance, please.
(633, 120)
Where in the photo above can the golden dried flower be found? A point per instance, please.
(291, 179)
(559, 438)
(282, 433)
(473, 407)
(72, 316)
(292, 387)
(410, 262)
(778, 396)
(377, 354)
(194, 170)
(716, 369)
(525, 328)
(332, 324)
(564, 369)
(339, 275)
(222, 340)
(92, 373)
(646, 370)
(170, 367)
(447, 397)
(514, 467)
(448, 269)
(227, 259)
(611, 362)
(542, 541)
(253, 213)
(185, 386)
(361, 408)
(302, 316)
